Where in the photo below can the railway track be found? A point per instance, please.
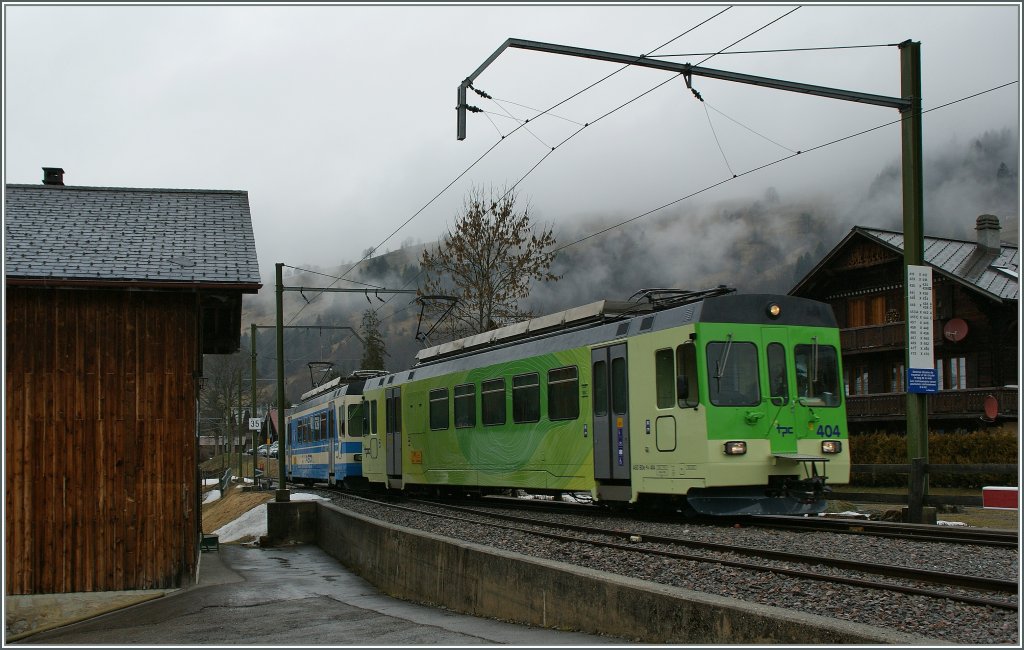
(917, 532)
(967, 589)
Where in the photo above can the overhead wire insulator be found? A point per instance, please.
(688, 78)
(481, 93)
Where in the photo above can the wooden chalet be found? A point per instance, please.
(113, 295)
(975, 330)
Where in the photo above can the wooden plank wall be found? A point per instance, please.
(99, 439)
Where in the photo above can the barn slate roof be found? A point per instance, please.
(992, 273)
(101, 235)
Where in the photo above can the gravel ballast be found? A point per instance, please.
(940, 619)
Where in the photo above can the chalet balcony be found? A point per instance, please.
(945, 404)
(875, 338)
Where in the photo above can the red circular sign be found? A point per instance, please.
(955, 330)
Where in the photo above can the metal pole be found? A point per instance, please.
(282, 435)
(913, 255)
(252, 396)
(241, 425)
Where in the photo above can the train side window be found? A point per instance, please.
(600, 381)
(323, 426)
(398, 412)
(355, 415)
(620, 389)
(778, 384)
(526, 398)
(664, 378)
(465, 406)
(492, 401)
(733, 373)
(564, 393)
(373, 416)
(439, 409)
(389, 414)
(686, 377)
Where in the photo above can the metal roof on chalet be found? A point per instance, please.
(114, 235)
(988, 271)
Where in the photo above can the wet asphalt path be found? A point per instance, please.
(294, 595)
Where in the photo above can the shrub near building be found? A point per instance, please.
(989, 446)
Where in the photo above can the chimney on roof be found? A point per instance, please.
(988, 233)
(53, 176)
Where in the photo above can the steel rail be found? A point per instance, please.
(920, 532)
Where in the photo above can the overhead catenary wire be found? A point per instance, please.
(775, 51)
(683, 198)
(488, 151)
(621, 106)
(780, 160)
(494, 146)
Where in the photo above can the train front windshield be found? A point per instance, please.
(817, 375)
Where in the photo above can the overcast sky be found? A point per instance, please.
(339, 120)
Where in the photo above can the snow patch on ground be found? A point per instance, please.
(253, 524)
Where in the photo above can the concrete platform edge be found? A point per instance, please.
(473, 579)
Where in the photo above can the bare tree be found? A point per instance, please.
(373, 342)
(487, 260)
(220, 401)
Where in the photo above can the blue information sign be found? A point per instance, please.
(922, 380)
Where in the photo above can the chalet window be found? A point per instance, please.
(563, 393)
(492, 401)
(863, 311)
(439, 408)
(898, 378)
(957, 372)
(465, 406)
(952, 373)
(859, 381)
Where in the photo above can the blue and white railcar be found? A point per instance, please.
(325, 434)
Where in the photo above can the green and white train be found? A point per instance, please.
(713, 402)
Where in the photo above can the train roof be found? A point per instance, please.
(595, 312)
(712, 306)
(351, 385)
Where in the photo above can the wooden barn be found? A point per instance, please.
(974, 329)
(112, 297)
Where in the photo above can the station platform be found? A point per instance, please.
(287, 595)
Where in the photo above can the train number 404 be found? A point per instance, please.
(829, 431)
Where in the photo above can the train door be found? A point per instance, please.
(393, 430)
(611, 413)
(780, 403)
(336, 427)
(359, 426)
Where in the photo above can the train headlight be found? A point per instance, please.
(735, 448)
(831, 446)
(774, 310)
